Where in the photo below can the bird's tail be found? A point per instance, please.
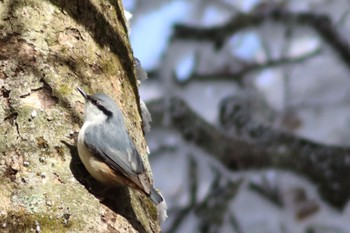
(158, 199)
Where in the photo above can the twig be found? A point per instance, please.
(240, 74)
(322, 24)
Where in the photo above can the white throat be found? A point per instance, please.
(93, 115)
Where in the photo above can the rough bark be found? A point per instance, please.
(47, 49)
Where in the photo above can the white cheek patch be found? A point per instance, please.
(93, 114)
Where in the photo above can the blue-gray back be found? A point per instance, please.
(111, 142)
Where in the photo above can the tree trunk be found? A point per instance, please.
(47, 49)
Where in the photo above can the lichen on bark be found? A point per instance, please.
(48, 48)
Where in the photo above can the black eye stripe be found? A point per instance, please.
(101, 107)
(95, 102)
(98, 104)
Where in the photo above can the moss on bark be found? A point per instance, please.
(48, 48)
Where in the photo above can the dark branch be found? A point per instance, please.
(322, 24)
(240, 74)
(327, 166)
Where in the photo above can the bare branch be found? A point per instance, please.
(240, 74)
(322, 24)
(327, 166)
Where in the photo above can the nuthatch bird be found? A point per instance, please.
(107, 151)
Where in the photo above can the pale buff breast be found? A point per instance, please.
(96, 167)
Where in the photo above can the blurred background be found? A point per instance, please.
(251, 115)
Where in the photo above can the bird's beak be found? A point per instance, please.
(82, 92)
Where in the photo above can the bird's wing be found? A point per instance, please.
(116, 149)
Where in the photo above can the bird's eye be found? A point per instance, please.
(95, 102)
